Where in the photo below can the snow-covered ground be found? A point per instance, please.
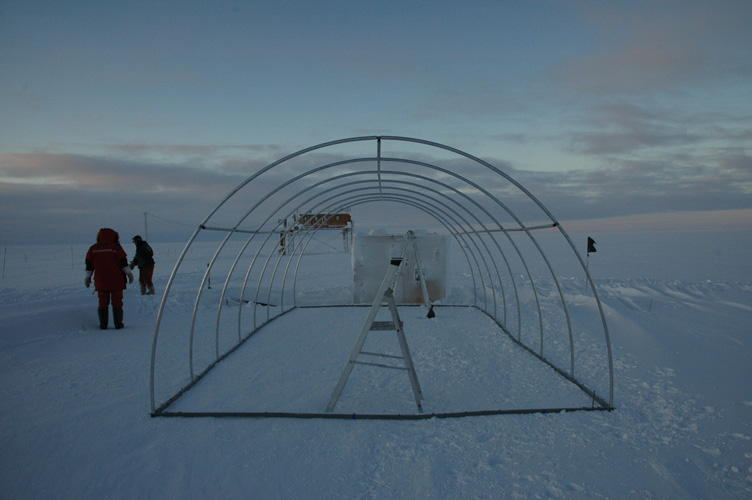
(75, 422)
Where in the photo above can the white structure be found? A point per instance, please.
(370, 260)
(492, 220)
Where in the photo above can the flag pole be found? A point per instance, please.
(590, 248)
(587, 271)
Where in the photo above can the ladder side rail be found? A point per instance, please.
(417, 391)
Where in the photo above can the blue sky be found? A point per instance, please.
(112, 109)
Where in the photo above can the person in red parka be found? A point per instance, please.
(107, 262)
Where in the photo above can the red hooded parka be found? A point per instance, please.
(106, 258)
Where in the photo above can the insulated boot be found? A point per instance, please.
(104, 317)
(117, 316)
(143, 289)
(150, 291)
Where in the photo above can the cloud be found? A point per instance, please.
(197, 154)
(663, 138)
(83, 172)
(631, 187)
(658, 47)
(634, 69)
(667, 221)
(49, 197)
(64, 197)
(622, 127)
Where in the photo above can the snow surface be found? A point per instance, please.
(75, 423)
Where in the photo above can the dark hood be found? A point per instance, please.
(107, 235)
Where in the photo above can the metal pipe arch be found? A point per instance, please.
(469, 225)
(319, 194)
(532, 238)
(423, 164)
(356, 200)
(378, 159)
(381, 189)
(561, 230)
(441, 221)
(301, 204)
(417, 193)
(378, 172)
(291, 181)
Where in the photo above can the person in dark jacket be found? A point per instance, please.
(108, 263)
(144, 259)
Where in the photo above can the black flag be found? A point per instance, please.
(591, 245)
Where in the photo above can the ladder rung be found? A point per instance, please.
(385, 325)
(380, 365)
(381, 355)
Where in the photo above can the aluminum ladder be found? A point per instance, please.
(384, 294)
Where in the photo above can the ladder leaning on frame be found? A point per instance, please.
(384, 294)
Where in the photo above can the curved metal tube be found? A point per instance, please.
(196, 302)
(561, 229)
(299, 205)
(444, 223)
(435, 201)
(385, 191)
(366, 198)
(434, 167)
(313, 197)
(162, 304)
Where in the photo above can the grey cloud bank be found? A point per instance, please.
(65, 198)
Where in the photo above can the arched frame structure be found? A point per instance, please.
(510, 244)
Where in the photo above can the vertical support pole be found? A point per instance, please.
(282, 236)
(587, 271)
(378, 165)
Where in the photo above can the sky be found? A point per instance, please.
(111, 110)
